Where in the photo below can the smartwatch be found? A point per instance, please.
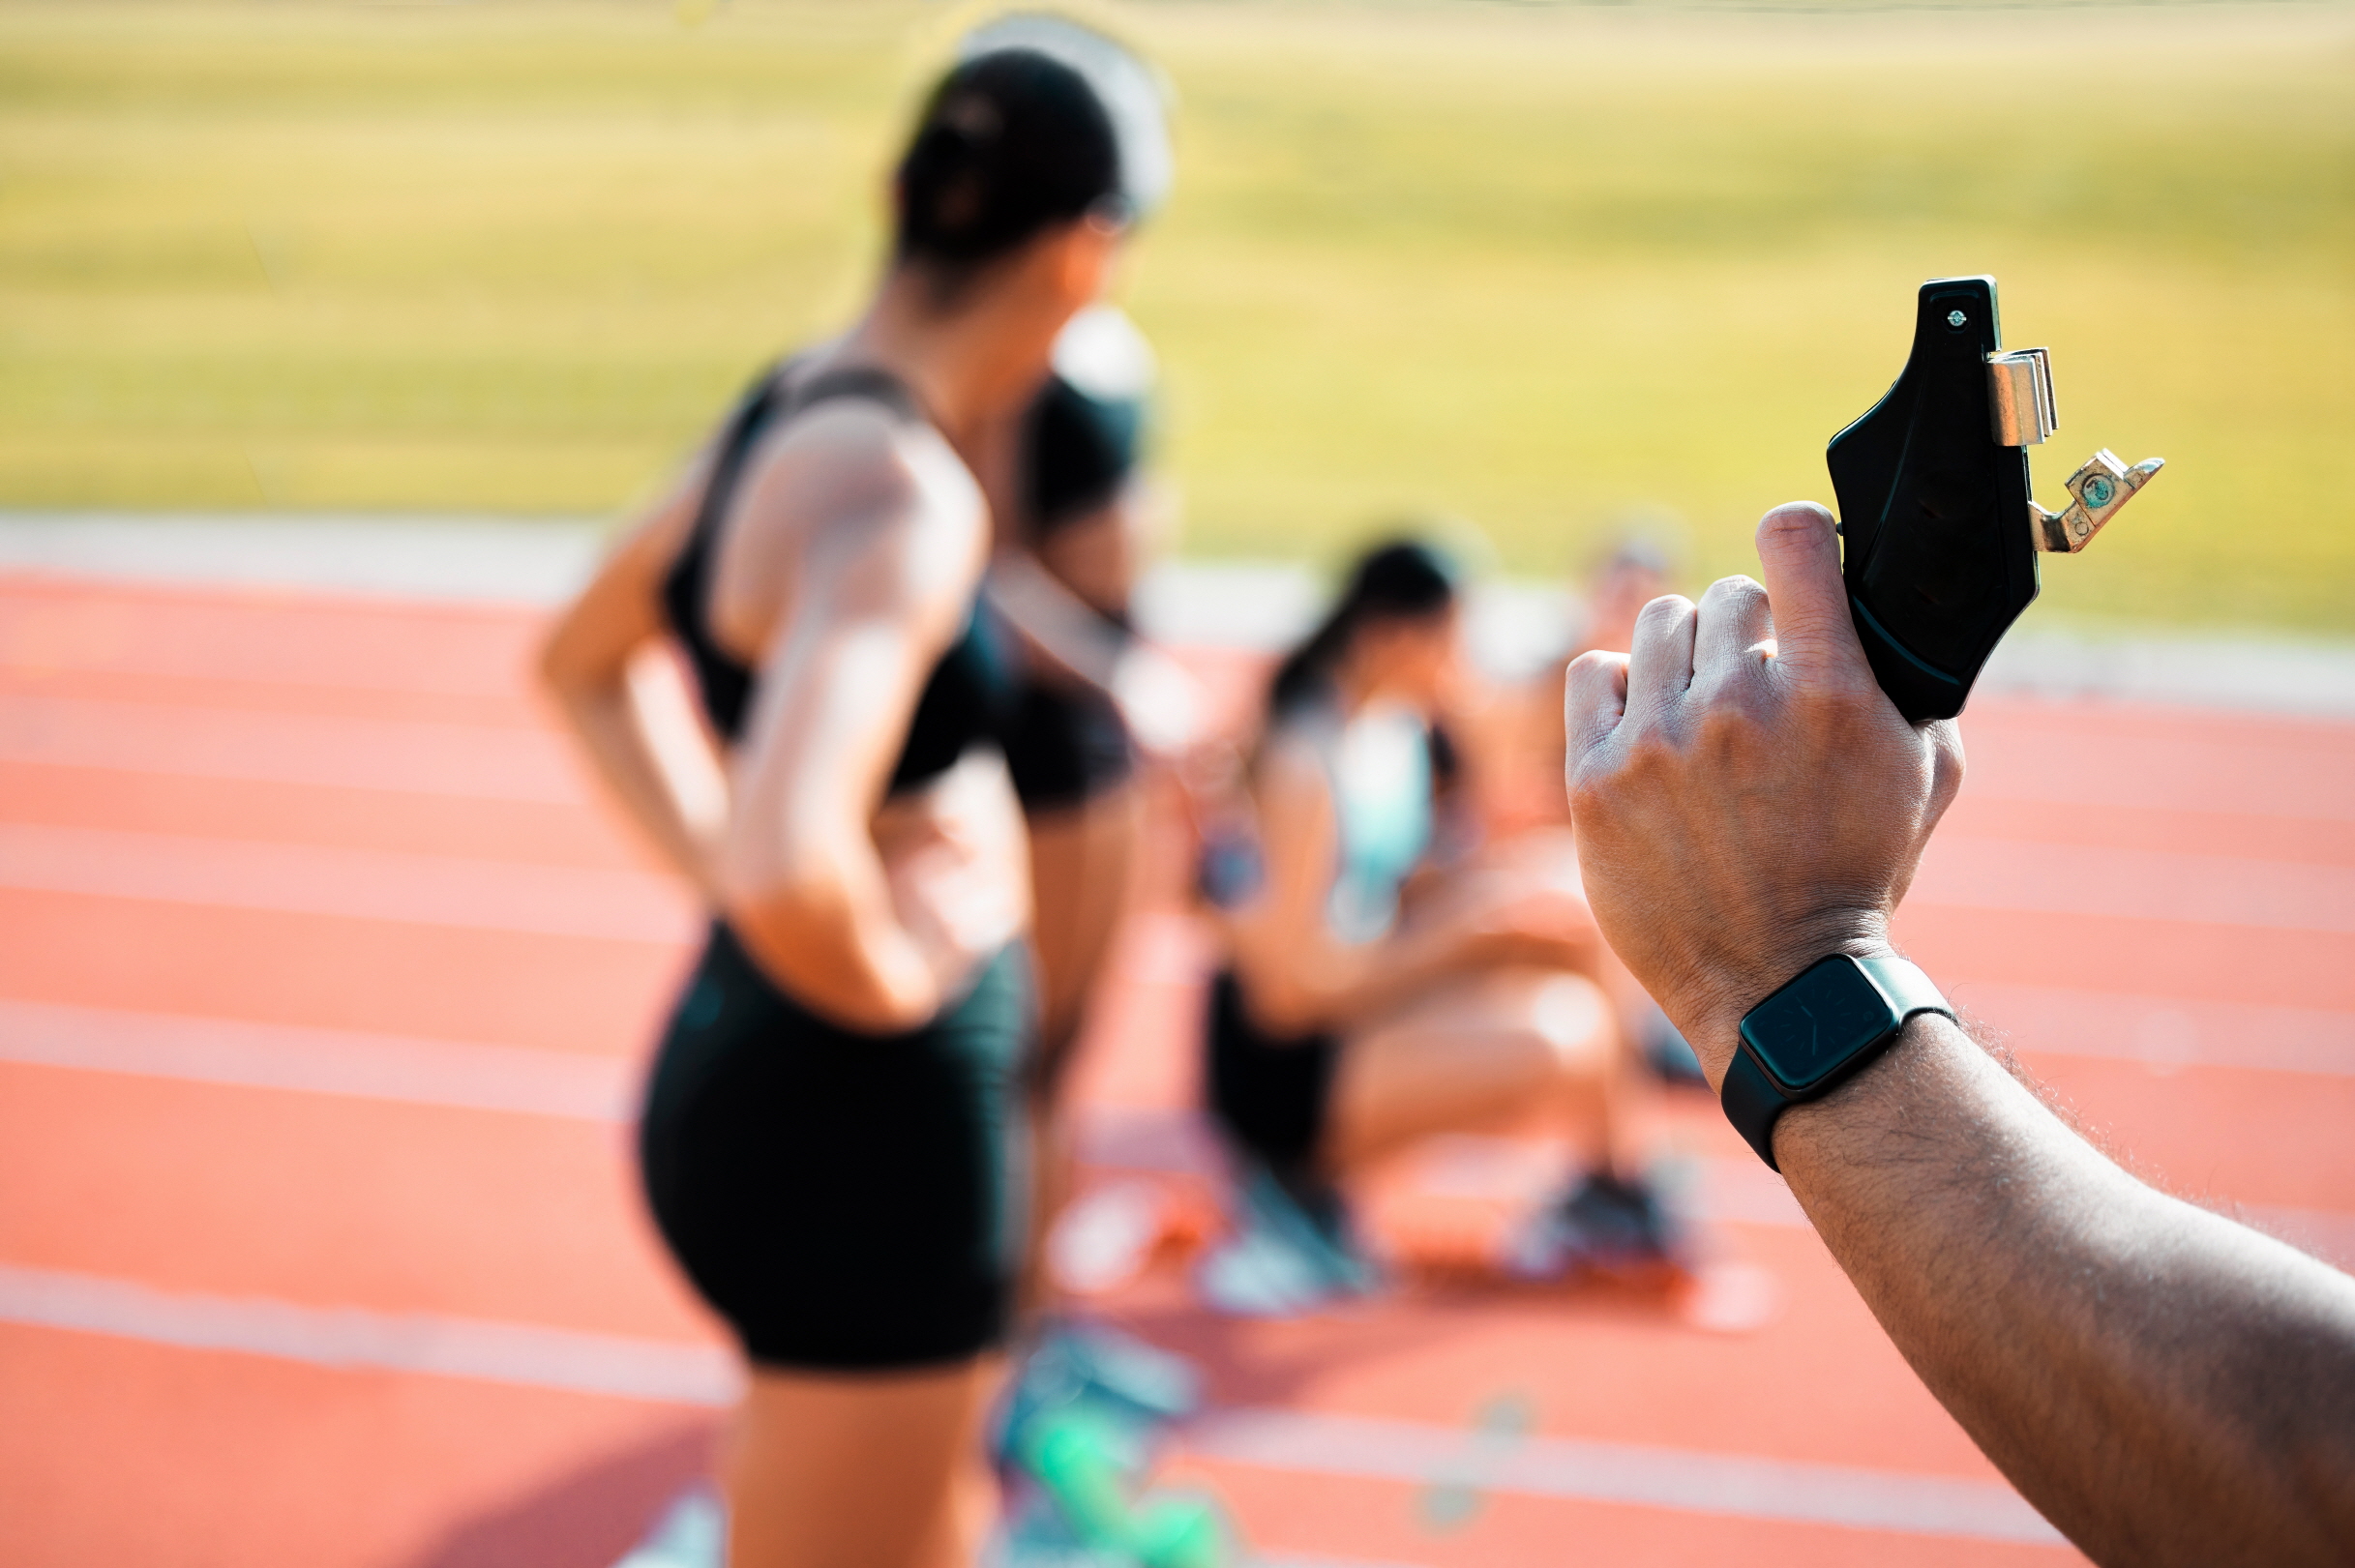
(1797, 1044)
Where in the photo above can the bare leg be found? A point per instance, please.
(1548, 857)
(1082, 859)
(1479, 1054)
(860, 1471)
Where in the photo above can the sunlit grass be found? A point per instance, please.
(1540, 267)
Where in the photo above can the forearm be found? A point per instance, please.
(2068, 1315)
(830, 934)
(1321, 983)
(1394, 971)
(607, 722)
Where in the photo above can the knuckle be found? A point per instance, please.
(1664, 614)
(1595, 666)
(1948, 763)
(1593, 679)
(1735, 592)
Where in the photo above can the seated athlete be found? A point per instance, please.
(1514, 749)
(1365, 1006)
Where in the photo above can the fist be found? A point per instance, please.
(1745, 797)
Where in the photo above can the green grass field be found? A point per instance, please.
(1544, 268)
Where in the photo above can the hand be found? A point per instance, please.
(958, 910)
(1745, 797)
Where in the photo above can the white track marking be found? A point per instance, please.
(358, 884)
(533, 1355)
(1742, 1485)
(405, 1070)
(1219, 604)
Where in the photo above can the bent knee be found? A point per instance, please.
(1572, 1016)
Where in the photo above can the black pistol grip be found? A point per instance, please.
(1938, 553)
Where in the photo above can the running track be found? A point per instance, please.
(325, 985)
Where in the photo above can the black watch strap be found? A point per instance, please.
(1754, 1102)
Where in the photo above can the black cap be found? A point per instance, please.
(1009, 143)
(1133, 95)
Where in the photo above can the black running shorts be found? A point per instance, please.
(1270, 1094)
(1065, 745)
(845, 1200)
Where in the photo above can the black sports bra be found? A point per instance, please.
(963, 703)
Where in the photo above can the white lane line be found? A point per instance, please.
(2163, 1034)
(531, 1081)
(1747, 1193)
(1745, 1485)
(362, 884)
(287, 643)
(350, 1337)
(2016, 874)
(1255, 604)
(532, 1355)
(2073, 764)
(569, 900)
(366, 1066)
(257, 745)
(494, 560)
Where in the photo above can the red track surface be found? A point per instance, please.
(326, 816)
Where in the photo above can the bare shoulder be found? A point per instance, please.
(876, 505)
(852, 461)
(1292, 776)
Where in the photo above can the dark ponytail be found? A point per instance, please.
(1404, 579)
(1043, 122)
(1010, 144)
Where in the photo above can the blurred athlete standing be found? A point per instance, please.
(1084, 519)
(832, 1141)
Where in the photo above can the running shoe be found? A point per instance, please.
(1074, 1497)
(1605, 1221)
(1176, 1529)
(692, 1533)
(1075, 1437)
(1292, 1250)
(1132, 1389)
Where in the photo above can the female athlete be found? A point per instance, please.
(832, 1141)
(1373, 998)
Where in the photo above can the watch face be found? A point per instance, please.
(1807, 1031)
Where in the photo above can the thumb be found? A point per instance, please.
(1799, 558)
